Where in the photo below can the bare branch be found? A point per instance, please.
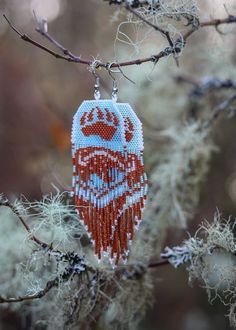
(42, 29)
(35, 43)
(215, 22)
(153, 58)
(70, 57)
(158, 263)
(212, 23)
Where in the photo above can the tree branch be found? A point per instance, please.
(25, 225)
(24, 37)
(215, 22)
(42, 29)
(37, 295)
(134, 4)
(160, 263)
(75, 266)
(70, 57)
(44, 245)
(212, 23)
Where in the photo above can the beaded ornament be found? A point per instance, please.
(109, 182)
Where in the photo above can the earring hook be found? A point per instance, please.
(97, 93)
(114, 94)
(93, 68)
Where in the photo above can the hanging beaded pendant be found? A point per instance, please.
(109, 182)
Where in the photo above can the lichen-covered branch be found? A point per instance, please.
(75, 266)
(37, 295)
(5, 202)
(210, 258)
(135, 3)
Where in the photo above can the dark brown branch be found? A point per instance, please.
(154, 58)
(33, 42)
(212, 23)
(42, 29)
(158, 263)
(65, 51)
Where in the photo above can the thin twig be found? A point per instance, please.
(225, 105)
(228, 20)
(212, 23)
(153, 58)
(35, 43)
(158, 263)
(154, 26)
(42, 29)
(70, 57)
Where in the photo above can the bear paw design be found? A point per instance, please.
(99, 122)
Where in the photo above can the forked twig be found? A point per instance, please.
(70, 57)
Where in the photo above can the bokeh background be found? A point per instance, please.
(39, 95)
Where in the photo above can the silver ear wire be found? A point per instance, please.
(114, 94)
(92, 68)
(97, 93)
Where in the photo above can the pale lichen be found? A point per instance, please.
(176, 181)
(210, 258)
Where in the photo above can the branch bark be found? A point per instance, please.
(70, 57)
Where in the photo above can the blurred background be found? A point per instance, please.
(40, 94)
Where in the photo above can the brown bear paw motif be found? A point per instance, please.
(99, 122)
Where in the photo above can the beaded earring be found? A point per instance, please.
(109, 182)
